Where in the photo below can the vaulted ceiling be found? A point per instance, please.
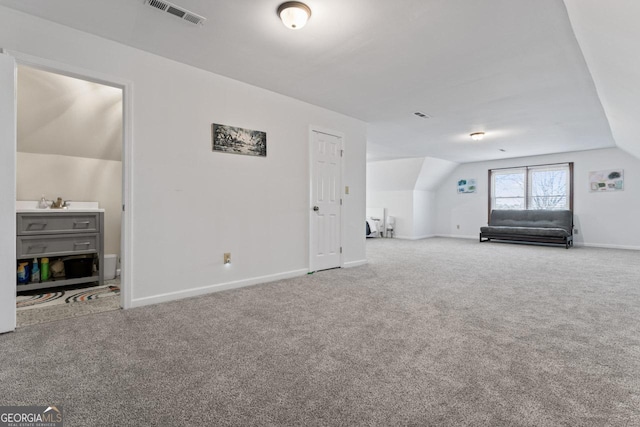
(609, 35)
(68, 116)
(511, 68)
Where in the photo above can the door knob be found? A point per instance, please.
(316, 208)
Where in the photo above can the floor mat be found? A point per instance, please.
(65, 311)
(46, 305)
(59, 296)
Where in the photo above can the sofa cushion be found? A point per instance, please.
(562, 219)
(525, 231)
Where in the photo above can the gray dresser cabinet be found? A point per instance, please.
(58, 234)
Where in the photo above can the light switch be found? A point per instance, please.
(346, 189)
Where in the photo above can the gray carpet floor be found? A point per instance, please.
(437, 332)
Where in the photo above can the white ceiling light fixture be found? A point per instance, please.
(477, 136)
(294, 14)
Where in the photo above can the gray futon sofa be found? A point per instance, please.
(544, 226)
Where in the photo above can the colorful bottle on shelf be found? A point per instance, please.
(44, 269)
(35, 271)
(23, 273)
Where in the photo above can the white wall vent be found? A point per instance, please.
(178, 11)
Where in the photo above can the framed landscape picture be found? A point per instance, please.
(235, 140)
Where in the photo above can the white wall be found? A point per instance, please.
(75, 178)
(414, 211)
(8, 192)
(607, 219)
(390, 185)
(424, 214)
(399, 204)
(190, 205)
(406, 188)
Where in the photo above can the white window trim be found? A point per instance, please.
(526, 170)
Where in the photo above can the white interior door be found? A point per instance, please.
(8, 192)
(326, 224)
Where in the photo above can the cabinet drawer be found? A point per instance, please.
(57, 222)
(58, 245)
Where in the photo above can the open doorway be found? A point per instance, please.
(69, 146)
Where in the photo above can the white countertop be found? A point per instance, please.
(69, 210)
(29, 206)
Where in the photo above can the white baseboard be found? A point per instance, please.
(607, 246)
(426, 236)
(187, 293)
(355, 263)
(457, 236)
(592, 245)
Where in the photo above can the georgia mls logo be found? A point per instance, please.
(31, 416)
(53, 408)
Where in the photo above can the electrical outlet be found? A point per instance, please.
(227, 258)
(346, 189)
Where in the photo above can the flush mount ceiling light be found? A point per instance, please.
(477, 136)
(294, 14)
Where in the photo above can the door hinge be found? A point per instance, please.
(340, 202)
(340, 249)
(122, 208)
(341, 153)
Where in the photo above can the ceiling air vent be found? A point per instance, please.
(175, 10)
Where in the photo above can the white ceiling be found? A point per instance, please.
(609, 35)
(510, 68)
(67, 116)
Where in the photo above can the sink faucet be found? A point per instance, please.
(59, 204)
